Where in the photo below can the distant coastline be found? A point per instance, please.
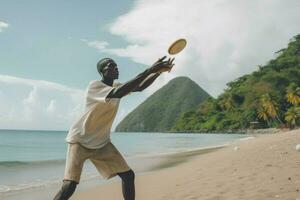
(239, 131)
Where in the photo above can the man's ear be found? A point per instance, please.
(101, 74)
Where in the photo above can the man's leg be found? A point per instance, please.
(128, 184)
(76, 155)
(66, 190)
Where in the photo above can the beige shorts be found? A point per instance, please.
(108, 161)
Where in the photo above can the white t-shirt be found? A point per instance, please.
(92, 129)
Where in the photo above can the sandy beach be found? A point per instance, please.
(265, 167)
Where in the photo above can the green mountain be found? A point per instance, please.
(268, 97)
(159, 111)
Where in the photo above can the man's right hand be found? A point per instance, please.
(161, 65)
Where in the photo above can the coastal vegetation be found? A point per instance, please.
(268, 97)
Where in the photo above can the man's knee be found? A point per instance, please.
(69, 185)
(66, 190)
(127, 176)
(131, 175)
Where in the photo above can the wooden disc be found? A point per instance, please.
(177, 46)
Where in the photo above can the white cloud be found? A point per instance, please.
(97, 44)
(226, 38)
(3, 25)
(41, 105)
(37, 104)
(51, 108)
(100, 45)
(83, 40)
(32, 98)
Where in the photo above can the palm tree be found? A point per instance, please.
(269, 104)
(293, 94)
(263, 114)
(292, 115)
(227, 103)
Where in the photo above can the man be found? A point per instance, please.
(89, 136)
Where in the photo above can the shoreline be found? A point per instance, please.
(156, 162)
(174, 159)
(265, 167)
(166, 161)
(237, 131)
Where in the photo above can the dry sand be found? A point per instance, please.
(262, 168)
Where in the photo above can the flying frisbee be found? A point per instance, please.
(177, 46)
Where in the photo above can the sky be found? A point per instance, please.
(49, 49)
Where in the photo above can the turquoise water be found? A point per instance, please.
(36, 158)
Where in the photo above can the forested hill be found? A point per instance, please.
(160, 111)
(268, 97)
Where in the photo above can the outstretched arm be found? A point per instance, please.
(147, 82)
(151, 78)
(130, 86)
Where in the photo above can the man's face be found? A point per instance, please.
(111, 70)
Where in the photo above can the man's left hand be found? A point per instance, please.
(168, 67)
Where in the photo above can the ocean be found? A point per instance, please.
(35, 159)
